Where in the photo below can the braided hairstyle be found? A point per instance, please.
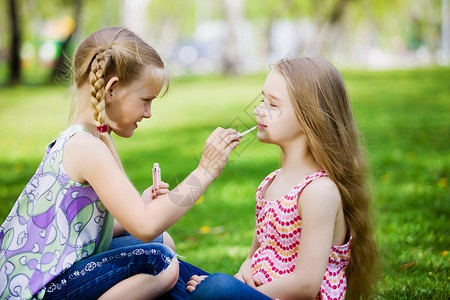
(97, 85)
(109, 52)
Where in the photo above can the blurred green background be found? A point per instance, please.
(37, 38)
(393, 57)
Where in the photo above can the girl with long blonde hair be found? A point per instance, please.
(313, 236)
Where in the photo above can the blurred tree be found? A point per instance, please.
(343, 25)
(329, 17)
(351, 28)
(265, 13)
(170, 19)
(30, 29)
(14, 55)
(62, 66)
(234, 15)
(412, 27)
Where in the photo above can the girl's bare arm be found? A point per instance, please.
(86, 158)
(318, 206)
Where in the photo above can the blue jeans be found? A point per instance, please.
(93, 276)
(186, 271)
(221, 286)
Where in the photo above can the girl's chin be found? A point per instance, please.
(262, 138)
(124, 133)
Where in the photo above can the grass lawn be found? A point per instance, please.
(404, 116)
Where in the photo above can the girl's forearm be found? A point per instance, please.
(289, 287)
(164, 211)
(151, 219)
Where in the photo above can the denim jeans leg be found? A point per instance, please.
(93, 276)
(221, 286)
(127, 239)
(186, 271)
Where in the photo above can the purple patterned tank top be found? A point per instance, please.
(54, 223)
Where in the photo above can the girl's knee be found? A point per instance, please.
(163, 264)
(169, 276)
(168, 241)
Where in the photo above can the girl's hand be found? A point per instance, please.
(149, 194)
(193, 282)
(248, 279)
(245, 275)
(217, 150)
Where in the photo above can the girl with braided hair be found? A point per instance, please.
(57, 242)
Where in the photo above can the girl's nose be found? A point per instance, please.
(147, 111)
(258, 111)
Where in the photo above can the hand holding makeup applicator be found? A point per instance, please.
(247, 131)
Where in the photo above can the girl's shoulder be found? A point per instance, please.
(83, 139)
(65, 135)
(84, 153)
(85, 145)
(322, 191)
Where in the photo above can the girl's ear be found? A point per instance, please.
(109, 87)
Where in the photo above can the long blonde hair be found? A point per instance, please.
(322, 106)
(109, 52)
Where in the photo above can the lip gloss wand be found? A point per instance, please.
(247, 131)
(156, 172)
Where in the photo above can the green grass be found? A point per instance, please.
(404, 116)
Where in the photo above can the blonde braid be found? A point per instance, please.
(99, 65)
(97, 82)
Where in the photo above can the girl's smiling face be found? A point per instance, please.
(128, 104)
(277, 122)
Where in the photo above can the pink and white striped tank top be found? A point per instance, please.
(278, 229)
